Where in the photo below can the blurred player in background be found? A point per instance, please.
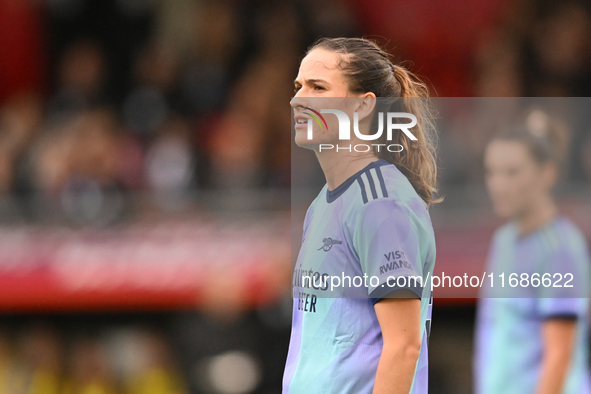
(532, 344)
(371, 218)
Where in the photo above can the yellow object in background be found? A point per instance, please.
(156, 380)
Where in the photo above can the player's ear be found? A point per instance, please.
(367, 104)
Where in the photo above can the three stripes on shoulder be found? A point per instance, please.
(372, 185)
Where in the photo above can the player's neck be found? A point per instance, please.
(340, 166)
(539, 213)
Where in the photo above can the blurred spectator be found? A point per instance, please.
(20, 119)
(80, 80)
(170, 164)
(77, 163)
(40, 362)
(157, 373)
(149, 102)
(89, 371)
(215, 44)
(561, 46)
(7, 375)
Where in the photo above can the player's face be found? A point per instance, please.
(319, 84)
(513, 178)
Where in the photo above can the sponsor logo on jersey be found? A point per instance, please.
(393, 264)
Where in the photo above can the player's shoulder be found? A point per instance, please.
(318, 197)
(566, 228)
(563, 233)
(382, 181)
(381, 188)
(558, 235)
(314, 204)
(506, 230)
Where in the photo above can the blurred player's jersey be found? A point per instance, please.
(374, 224)
(509, 343)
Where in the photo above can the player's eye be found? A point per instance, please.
(318, 88)
(296, 88)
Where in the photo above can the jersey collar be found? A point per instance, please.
(332, 195)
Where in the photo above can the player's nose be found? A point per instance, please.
(299, 101)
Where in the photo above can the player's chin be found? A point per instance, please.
(303, 142)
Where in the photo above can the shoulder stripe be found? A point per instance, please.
(363, 192)
(372, 185)
(375, 178)
(382, 183)
(368, 179)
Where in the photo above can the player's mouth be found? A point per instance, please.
(301, 121)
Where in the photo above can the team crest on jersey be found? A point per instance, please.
(328, 242)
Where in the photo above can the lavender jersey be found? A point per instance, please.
(509, 343)
(373, 225)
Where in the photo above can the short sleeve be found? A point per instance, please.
(568, 293)
(386, 240)
(563, 308)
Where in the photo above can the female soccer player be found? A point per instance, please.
(369, 222)
(535, 342)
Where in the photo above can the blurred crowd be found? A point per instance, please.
(174, 97)
(539, 49)
(40, 359)
(142, 352)
(201, 104)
